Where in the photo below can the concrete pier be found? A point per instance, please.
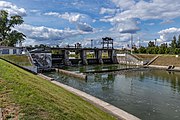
(99, 56)
(45, 77)
(73, 74)
(84, 57)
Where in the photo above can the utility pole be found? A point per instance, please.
(155, 42)
(91, 43)
(131, 42)
(139, 42)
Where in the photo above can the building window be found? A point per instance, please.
(5, 51)
(14, 51)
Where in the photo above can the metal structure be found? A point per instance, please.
(107, 43)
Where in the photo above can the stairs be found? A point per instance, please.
(151, 61)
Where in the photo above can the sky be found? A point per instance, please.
(63, 22)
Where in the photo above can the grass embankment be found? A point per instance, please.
(21, 60)
(166, 60)
(146, 57)
(27, 96)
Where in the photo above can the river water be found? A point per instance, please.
(148, 94)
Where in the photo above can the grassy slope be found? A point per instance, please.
(18, 59)
(146, 56)
(166, 60)
(35, 98)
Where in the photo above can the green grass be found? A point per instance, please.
(21, 60)
(167, 60)
(146, 56)
(34, 98)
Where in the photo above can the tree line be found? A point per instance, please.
(172, 48)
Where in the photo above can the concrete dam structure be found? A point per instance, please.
(56, 57)
(45, 58)
(84, 56)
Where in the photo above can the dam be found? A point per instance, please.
(56, 57)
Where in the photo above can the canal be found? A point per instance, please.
(148, 94)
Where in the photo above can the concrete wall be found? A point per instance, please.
(128, 59)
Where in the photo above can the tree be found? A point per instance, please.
(151, 44)
(173, 43)
(163, 48)
(178, 42)
(8, 35)
(142, 49)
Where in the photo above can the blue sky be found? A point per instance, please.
(65, 22)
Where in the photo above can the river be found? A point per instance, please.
(147, 93)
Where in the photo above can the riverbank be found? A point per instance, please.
(27, 96)
(21, 60)
(167, 60)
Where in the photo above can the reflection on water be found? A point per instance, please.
(148, 94)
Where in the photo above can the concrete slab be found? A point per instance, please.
(120, 114)
(73, 74)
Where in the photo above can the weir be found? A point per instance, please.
(55, 57)
(84, 56)
(46, 59)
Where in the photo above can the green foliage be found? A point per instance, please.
(9, 36)
(142, 49)
(174, 48)
(151, 44)
(173, 43)
(178, 42)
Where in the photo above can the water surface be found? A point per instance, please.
(147, 94)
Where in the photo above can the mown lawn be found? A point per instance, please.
(146, 56)
(167, 60)
(21, 60)
(27, 96)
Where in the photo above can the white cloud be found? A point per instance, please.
(124, 4)
(126, 26)
(151, 24)
(167, 21)
(170, 30)
(71, 17)
(167, 34)
(156, 9)
(12, 9)
(84, 27)
(45, 35)
(107, 11)
(80, 20)
(120, 39)
(131, 11)
(34, 11)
